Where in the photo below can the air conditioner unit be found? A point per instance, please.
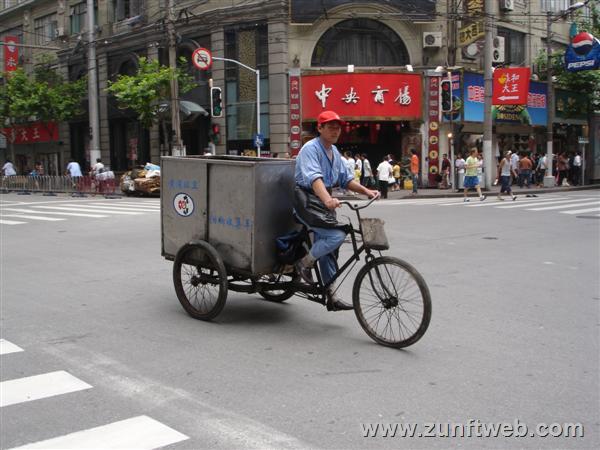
(498, 55)
(59, 32)
(432, 39)
(507, 5)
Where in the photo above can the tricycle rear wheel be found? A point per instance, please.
(200, 280)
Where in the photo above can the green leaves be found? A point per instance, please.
(45, 97)
(144, 91)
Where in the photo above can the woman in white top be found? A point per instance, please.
(460, 170)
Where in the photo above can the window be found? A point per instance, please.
(125, 9)
(514, 47)
(45, 29)
(248, 45)
(555, 5)
(78, 16)
(362, 42)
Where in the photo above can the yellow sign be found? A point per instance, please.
(475, 6)
(471, 33)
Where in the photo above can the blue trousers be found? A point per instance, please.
(327, 241)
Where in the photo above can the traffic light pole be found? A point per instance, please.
(257, 72)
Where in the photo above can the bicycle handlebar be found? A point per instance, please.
(356, 207)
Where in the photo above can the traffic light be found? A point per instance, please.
(446, 88)
(216, 102)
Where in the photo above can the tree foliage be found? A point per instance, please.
(43, 96)
(586, 81)
(144, 91)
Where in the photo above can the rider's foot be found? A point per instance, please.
(335, 303)
(304, 269)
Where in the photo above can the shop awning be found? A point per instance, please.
(189, 110)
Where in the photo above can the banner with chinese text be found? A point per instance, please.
(32, 133)
(295, 113)
(510, 86)
(11, 53)
(363, 96)
(433, 142)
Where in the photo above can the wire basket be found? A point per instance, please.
(373, 234)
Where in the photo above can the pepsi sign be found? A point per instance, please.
(583, 53)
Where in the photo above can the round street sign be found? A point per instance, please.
(202, 58)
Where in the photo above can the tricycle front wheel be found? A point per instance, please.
(200, 280)
(392, 302)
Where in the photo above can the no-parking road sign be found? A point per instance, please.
(202, 58)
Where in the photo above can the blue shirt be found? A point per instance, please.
(312, 163)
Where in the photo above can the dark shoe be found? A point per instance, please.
(334, 303)
(304, 272)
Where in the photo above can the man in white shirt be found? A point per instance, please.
(8, 169)
(384, 172)
(73, 169)
(577, 169)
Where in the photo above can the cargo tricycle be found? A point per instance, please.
(220, 219)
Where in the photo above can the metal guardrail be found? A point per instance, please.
(53, 184)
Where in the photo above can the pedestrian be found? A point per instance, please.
(384, 172)
(525, 166)
(414, 170)
(97, 168)
(396, 174)
(471, 178)
(320, 167)
(577, 180)
(8, 169)
(367, 178)
(562, 167)
(505, 170)
(514, 162)
(445, 172)
(480, 167)
(540, 169)
(358, 168)
(459, 164)
(74, 171)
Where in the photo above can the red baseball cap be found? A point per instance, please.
(328, 116)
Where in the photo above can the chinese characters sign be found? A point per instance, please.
(32, 133)
(11, 53)
(364, 96)
(433, 143)
(511, 86)
(295, 114)
(471, 32)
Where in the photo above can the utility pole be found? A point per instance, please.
(177, 149)
(94, 118)
(548, 178)
(488, 163)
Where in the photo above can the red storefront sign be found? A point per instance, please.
(511, 86)
(433, 143)
(11, 53)
(32, 133)
(295, 113)
(363, 96)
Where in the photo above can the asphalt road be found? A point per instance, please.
(514, 334)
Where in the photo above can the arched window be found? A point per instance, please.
(362, 42)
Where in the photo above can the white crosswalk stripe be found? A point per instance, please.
(530, 204)
(582, 211)
(61, 213)
(7, 347)
(10, 222)
(140, 432)
(563, 206)
(37, 387)
(91, 209)
(25, 216)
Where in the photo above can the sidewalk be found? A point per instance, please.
(443, 193)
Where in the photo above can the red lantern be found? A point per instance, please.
(378, 126)
(398, 127)
(347, 127)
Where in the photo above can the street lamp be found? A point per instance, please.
(550, 19)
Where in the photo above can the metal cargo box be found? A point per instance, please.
(237, 204)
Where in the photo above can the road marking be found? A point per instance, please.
(120, 202)
(513, 203)
(7, 347)
(127, 207)
(140, 432)
(87, 208)
(31, 211)
(10, 222)
(570, 205)
(37, 387)
(581, 211)
(24, 216)
(528, 204)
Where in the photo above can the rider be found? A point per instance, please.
(320, 167)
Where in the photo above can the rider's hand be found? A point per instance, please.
(332, 203)
(372, 194)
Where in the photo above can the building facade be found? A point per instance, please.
(312, 54)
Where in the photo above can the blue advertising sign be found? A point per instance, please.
(474, 97)
(457, 95)
(583, 53)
